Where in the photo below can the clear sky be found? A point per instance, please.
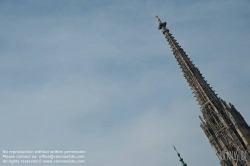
(99, 76)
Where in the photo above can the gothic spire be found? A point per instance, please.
(201, 89)
(224, 126)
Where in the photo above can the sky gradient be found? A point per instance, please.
(99, 76)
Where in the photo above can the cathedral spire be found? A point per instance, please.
(181, 159)
(226, 129)
(201, 89)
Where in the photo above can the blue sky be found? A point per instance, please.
(99, 76)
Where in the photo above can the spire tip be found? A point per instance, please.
(158, 19)
(174, 148)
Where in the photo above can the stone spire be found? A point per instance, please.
(181, 159)
(201, 89)
(226, 129)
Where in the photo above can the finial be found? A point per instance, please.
(181, 160)
(175, 149)
(158, 19)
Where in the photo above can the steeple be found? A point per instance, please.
(201, 89)
(181, 159)
(223, 125)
